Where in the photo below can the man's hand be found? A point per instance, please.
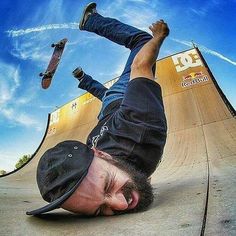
(159, 29)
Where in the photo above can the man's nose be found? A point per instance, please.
(117, 202)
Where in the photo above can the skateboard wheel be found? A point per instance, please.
(41, 74)
(53, 45)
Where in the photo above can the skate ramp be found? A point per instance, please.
(194, 186)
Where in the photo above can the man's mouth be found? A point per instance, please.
(133, 200)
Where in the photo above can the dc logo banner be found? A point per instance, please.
(186, 60)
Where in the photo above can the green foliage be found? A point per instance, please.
(2, 172)
(22, 161)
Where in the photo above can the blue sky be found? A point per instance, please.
(28, 28)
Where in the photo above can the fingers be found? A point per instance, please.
(161, 21)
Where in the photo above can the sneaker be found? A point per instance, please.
(88, 10)
(78, 73)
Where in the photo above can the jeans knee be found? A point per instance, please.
(146, 36)
(142, 38)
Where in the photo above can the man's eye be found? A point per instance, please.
(97, 212)
(100, 211)
(110, 185)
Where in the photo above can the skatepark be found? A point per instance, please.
(194, 186)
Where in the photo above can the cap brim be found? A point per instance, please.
(58, 202)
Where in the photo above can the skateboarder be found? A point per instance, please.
(109, 175)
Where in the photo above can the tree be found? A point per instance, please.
(2, 172)
(22, 161)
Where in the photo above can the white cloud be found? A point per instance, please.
(204, 8)
(7, 160)
(20, 32)
(54, 12)
(34, 49)
(20, 118)
(139, 1)
(205, 50)
(217, 54)
(10, 81)
(38, 49)
(33, 43)
(138, 15)
(85, 40)
(46, 107)
(120, 67)
(30, 50)
(25, 100)
(140, 19)
(199, 12)
(184, 42)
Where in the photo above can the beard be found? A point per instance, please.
(139, 183)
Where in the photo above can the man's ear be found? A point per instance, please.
(96, 152)
(101, 154)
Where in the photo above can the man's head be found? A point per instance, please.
(90, 182)
(111, 187)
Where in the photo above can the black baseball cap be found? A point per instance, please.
(60, 171)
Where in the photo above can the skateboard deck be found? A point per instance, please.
(52, 66)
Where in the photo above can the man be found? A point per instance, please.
(110, 174)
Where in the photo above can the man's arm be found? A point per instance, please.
(146, 57)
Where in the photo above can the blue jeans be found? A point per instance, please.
(122, 34)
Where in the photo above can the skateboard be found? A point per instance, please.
(52, 66)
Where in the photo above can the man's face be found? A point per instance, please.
(110, 188)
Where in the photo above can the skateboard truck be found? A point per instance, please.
(47, 73)
(59, 45)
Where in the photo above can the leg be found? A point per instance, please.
(122, 34)
(92, 86)
(87, 83)
(115, 30)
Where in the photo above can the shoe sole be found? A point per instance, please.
(88, 7)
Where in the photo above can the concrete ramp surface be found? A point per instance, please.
(195, 184)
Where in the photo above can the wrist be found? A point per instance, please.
(161, 36)
(158, 39)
